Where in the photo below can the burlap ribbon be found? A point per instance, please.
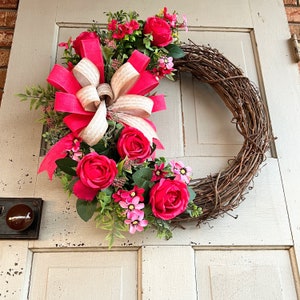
(111, 100)
(89, 101)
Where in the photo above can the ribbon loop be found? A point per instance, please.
(105, 93)
(88, 97)
(133, 105)
(123, 79)
(86, 73)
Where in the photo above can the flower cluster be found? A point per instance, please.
(156, 37)
(106, 153)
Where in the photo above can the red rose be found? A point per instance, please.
(85, 35)
(169, 198)
(160, 30)
(134, 145)
(95, 172)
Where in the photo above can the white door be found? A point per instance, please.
(252, 255)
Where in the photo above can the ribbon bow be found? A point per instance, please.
(90, 101)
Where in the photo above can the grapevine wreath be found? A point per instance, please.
(96, 113)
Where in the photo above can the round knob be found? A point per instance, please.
(19, 217)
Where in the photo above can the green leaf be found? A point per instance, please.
(86, 209)
(192, 194)
(175, 51)
(142, 177)
(67, 165)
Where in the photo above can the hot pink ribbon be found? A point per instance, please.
(78, 118)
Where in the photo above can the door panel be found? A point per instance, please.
(196, 128)
(84, 275)
(242, 274)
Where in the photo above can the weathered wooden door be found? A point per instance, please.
(251, 256)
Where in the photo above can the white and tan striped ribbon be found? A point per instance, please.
(128, 109)
(140, 124)
(97, 127)
(86, 73)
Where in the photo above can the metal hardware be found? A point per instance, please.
(296, 47)
(32, 231)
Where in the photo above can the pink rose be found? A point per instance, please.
(134, 145)
(95, 172)
(85, 35)
(160, 30)
(168, 198)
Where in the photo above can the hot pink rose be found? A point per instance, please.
(134, 145)
(85, 35)
(168, 198)
(160, 30)
(95, 172)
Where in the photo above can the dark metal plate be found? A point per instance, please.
(31, 232)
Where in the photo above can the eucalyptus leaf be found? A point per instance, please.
(142, 177)
(192, 194)
(86, 209)
(67, 165)
(175, 51)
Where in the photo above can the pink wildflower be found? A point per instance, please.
(127, 196)
(65, 44)
(171, 19)
(158, 172)
(115, 64)
(110, 43)
(184, 24)
(181, 172)
(75, 152)
(165, 67)
(166, 63)
(133, 205)
(136, 222)
(112, 25)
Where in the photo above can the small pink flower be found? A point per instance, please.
(75, 152)
(66, 44)
(133, 206)
(158, 172)
(127, 196)
(115, 64)
(110, 43)
(63, 45)
(184, 24)
(172, 19)
(112, 25)
(136, 222)
(166, 63)
(181, 172)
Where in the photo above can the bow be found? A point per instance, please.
(89, 101)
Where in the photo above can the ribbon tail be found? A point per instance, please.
(77, 122)
(140, 124)
(159, 102)
(97, 127)
(57, 151)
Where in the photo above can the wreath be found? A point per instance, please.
(96, 115)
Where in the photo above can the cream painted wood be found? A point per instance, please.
(284, 106)
(84, 275)
(263, 219)
(242, 274)
(173, 273)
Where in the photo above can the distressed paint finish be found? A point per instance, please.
(253, 223)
